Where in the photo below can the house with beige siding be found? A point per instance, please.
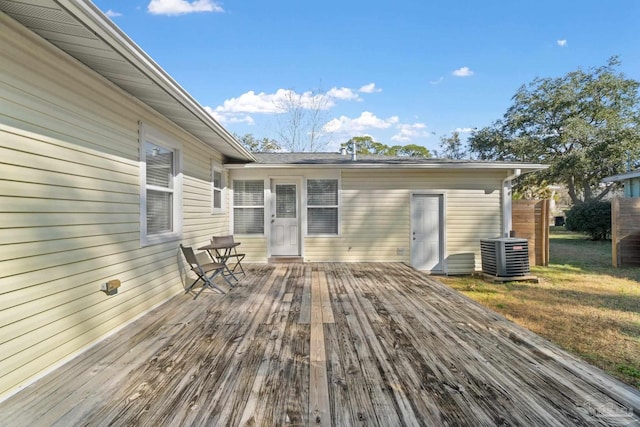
(332, 207)
(107, 165)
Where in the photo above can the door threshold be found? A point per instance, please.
(286, 260)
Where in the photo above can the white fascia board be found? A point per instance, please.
(622, 176)
(89, 15)
(526, 167)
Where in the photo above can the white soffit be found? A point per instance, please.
(81, 30)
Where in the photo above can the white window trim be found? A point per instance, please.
(149, 134)
(217, 167)
(306, 206)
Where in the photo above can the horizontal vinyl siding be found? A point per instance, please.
(376, 218)
(255, 248)
(375, 215)
(471, 215)
(69, 208)
(373, 224)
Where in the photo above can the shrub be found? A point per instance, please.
(593, 218)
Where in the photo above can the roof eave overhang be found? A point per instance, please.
(621, 177)
(525, 167)
(90, 15)
(193, 118)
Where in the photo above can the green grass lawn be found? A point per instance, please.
(582, 303)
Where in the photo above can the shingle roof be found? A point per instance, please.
(375, 161)
(340, 159)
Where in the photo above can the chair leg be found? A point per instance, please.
(227, 280)
(208, 282)
(191, 285)
(241, 268)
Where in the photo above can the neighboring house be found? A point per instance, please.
(630, 182)
(107, 165)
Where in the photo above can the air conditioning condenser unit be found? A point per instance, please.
(505, 256)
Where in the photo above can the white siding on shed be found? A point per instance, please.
(69, 207)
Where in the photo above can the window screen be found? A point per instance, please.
(248, 207)
(160, 177)
(322, 206)
(218, 189)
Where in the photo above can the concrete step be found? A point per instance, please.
(286, 260)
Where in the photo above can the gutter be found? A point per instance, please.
(88, 13)
(528, 167)
(507, 184)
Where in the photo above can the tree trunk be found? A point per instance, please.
(572, 191)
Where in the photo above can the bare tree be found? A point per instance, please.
(301, 118)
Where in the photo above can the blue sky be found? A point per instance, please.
(403, 71)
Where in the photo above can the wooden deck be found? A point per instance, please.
(324, 344)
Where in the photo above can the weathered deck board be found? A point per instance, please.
(325, 344)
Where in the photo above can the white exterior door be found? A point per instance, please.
(427, 248)
(285, 212)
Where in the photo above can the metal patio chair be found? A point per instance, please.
(202, 270)
(228, 250)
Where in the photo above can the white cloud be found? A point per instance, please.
(230, 117)
(347, 127)
(370, 88)
(343, 93)
(237, 110)
(436, 82)
(408, 132)
(464, 130)
(249, 102)
(562, 43)
(274, 103)
(367, 120)
(112, 14)
(463, 72)
(180, 7)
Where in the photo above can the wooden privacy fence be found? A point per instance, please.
(625, 231)
(530, 220)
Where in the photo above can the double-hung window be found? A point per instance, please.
(218, 193)
(248, 206)
(322, 207)
(160, 187)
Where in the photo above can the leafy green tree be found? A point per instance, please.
(451, 147)
(585, 125)
(366, 145)
(264, 145)
(412, 150)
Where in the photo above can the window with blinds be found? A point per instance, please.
(160, 187)
(218, 189)
(322, 206)
(248, 207)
